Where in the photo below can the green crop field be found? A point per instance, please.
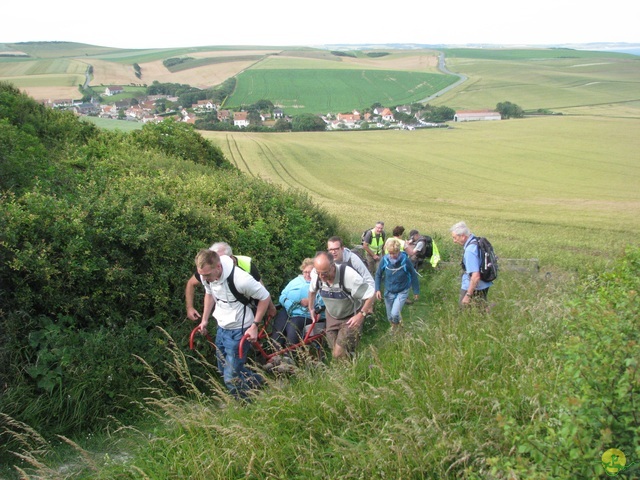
(562, 189)
(56, 66)
(542, 80)
(321, 91)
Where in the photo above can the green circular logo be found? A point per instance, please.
(613, 461)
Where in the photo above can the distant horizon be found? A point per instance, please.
(141, 25)
(619, 47)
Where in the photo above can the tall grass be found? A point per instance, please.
(426, 403)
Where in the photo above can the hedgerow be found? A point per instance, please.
(598, 387)
(99, 234)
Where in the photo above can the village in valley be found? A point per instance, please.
(156, 108)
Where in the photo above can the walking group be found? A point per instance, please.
(337, 287)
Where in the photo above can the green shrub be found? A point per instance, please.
(598, 387)
(95, 254)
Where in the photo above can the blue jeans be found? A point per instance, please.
(394, 303)
(237, 377)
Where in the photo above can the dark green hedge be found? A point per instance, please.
(98, 235)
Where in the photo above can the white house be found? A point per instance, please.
(113, 90)
(240, 119)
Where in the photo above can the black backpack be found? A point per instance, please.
(243, 299)
(488, 259)
(427, 250)
(359, 251)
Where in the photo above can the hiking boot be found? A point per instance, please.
(274, 362)
(285, 368)
(286, 359)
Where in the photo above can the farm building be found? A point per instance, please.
(240, 119)
(113, 90)
(476, 115)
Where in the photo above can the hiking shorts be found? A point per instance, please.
(337, 333)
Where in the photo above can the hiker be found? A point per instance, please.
(399, 276)
(233, 316)
(348, 300)
(397, 233)
(421, 248)
(289, 323)
(373, 243)
(342, 254)
(245, 263)
(472, 287)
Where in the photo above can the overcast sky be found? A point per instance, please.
(145, 24)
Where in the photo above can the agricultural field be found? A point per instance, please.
(334, 90)
(560, 80)
(579, 82)
(45, 78)
(562, 189)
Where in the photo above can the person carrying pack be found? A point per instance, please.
(373, 242)
(245, 263)
(473, 286)
(348, 300)
(421, 248)
(342, 254)
(399, 276)
(234, 317)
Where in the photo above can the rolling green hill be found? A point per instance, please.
(319, 81)
(321, 91)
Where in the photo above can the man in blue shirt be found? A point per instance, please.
(472, 288)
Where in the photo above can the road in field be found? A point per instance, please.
(443, 68)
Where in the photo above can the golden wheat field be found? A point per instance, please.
(539, 186)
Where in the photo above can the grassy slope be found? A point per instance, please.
(429, 404)
(587, 82)
(562, 189)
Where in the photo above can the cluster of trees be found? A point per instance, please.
(509, 110)
(99, 231)
(173, 61)
(188, 95)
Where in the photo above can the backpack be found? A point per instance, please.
(364, 234)
(488, 259)
(361, 254)
(243, 299)
(427, 250)
(385, 264)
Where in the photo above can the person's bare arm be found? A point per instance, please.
(189, 297)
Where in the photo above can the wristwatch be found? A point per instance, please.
(364, 314)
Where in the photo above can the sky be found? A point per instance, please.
(145, 24)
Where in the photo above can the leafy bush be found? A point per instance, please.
(95, 253)
(598, 387)
(180, 140)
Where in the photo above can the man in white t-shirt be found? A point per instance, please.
(233, 315)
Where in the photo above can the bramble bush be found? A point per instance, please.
(99, 235)
(598, 390)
